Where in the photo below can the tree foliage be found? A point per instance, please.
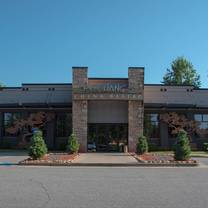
(23, 126)
(179, 122)
(142, 145)
(73, 144)
(182, 72)
(182, 150)
(38, 147)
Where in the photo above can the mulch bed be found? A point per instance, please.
(156, 159)
(52, 159)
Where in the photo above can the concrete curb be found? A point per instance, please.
(111, 165)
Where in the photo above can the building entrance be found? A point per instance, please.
(107, 137)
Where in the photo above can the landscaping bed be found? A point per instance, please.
(51, 159)
(156, 159)
(194, 153)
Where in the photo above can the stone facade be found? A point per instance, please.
(79, 108)
(133, 94)
(79, 119)
(80, 79)
(1, 127)
(136, 80)
(136, 107)
(135, 123)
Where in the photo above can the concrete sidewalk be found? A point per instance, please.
(12, 157)
(120, 159)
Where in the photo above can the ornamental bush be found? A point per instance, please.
(38, 147)
(142, 145)
(73, 144)
(182, 150)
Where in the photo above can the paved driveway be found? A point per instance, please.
(12, 157)
(105, 158)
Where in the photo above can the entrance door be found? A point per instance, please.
(107, 137)
(101, 138)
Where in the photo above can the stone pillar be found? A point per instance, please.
(136, 114)
(80, 79)
(135, 107)
(136, 80)
(79, 108)
(1, 128)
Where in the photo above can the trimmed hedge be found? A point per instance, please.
(73, 144)
(142, 145)
(38, 147)
(182, 149)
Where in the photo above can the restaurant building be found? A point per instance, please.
(106, 114)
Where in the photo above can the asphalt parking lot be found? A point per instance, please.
(83, 187)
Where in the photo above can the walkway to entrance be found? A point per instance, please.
(105, 158)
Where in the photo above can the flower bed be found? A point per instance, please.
(156, 159)
(52, 159)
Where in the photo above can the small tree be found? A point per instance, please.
(142, 145)
(22, 126)
(38, 147)
(182, 150)
(73, 144)
(179, 122)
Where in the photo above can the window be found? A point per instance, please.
(202, 119)
(151, 125)
(9, 119)
(202, 131)
(63, 124)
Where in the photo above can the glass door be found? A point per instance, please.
(101, 138)
(107, 137)
(113, 139)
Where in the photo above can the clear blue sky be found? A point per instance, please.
(40, 40)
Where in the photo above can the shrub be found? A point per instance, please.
(182, 150)
(205, 147)
(38, 147)
(73, 144)
(142, 145)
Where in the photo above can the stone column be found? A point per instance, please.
(1, 128)
(135, 107)
(79, 108)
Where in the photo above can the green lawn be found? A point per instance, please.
(193, 153)
(199, 154)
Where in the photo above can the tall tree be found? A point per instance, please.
(182, 72)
